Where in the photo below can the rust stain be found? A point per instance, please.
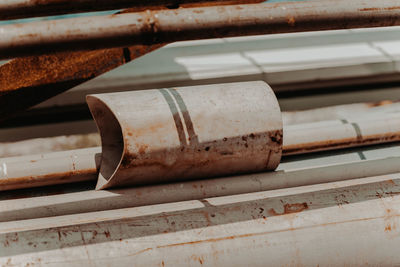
(380, 103)
(47, 179)
(290, 208)
(388, 228)
(291, 21)
(293, 208)
(196, 258)
(142, 149)
(107, 234)
(380, 8)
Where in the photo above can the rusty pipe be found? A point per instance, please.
(100, 200)
(371, 128)
(342, 221)
(16, 9)
(161, 26)
(25, 82)
(157, 136)
(28, 81)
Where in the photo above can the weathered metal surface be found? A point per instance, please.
(301, 138)
(13, 9)
(163, 26)
(26, 82)
(49, 144)
(327, 135)
(190, 132)
(49, 169)
(350, 223)
(340, 112)
(101, 200)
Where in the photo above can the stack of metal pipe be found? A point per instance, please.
(200, 166)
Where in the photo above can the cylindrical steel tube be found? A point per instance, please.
(350, 223)
(328, 135)
(49, 169)
(13, 9)
(193, 23)
(375, 125)
(192, 132)
(100, 200)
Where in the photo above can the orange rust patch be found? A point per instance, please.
(380, 103)
(341, 143)
(380, 9)
(142, 149)
(48, 179)
(290, 208)
(291, 21)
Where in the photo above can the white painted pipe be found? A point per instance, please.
(351, 223)
(186, 133)
(328, 135)
(338, 112)
(49, 169)
(100, 200)
(54, 168)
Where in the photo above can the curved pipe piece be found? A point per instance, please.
(157, 136)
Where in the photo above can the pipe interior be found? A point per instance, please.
(111, 137)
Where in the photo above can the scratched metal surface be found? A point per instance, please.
(345, 223)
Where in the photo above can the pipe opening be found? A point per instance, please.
(111, 138)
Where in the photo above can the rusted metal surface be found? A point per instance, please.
(49, 144)
(357, 220)
(161, 26)
(184, 133)
(366, 128)
(101, 200)
(13, 9)
(25, 82)
(49, 169)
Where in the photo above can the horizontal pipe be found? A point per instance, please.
(339, 112)
(81, 202)
(163, 26)
(350, 223)
(21, 79)
(16, 9)
(364, 130)
(37, 170)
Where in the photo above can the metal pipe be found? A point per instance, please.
(371, 128)
(328, 135)
(161, 26)
(349, 223)
(101, 200)
(49, 169)
(158, 136)
(16, 9)
(340, 112)
(26, 82)
(21, 79)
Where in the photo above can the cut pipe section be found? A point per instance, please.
(156, 136)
